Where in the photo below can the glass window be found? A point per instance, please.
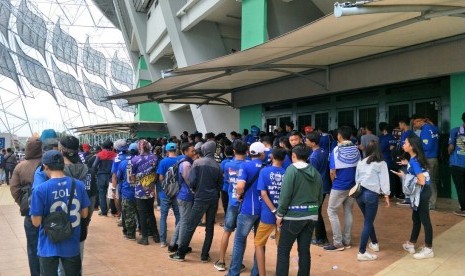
(397, 112)
(283, 121)
(429, 109)
(345, 118)
(270, 124)
(366, 115)
(302, 121)
(322, 121)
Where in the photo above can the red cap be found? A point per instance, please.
(308, 129)
(86, 147)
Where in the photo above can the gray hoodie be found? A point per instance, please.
(77, 171)
(205, 177)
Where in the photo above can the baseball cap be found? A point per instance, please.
(52, 157)
(308, 129)
(170, 147)
(257, 148)
(133, 146)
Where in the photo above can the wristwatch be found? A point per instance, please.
(274, 211)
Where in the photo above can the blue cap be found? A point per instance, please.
(47, 134)
(133, 146)
(53, 157)
(170, 147)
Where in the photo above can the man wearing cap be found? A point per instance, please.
(102, 166)
(51, 196)
(429, 136)
(205, 180)
(122, 149)
(20, 184)
(166, 202)
(249, 216)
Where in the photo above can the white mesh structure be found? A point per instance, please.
(7, 65)
(34, 72)
(5, 11)
(94, 61)
(64, 46)
(97, 93)
(68, 85)
(121, 71)
(123, 104)
(31, 28)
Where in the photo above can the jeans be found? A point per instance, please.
(338, 198)
(198, 209)
(434, 180)
(71, 265)
(320, 228)
(8, 175)
(102, 184)
(421, 216)
(244, 225)
(32, 238)
(185, 208)
(2, 175)
(458, 175)
(368, 203)
(146, 216)
(166, 203)
(291, 230)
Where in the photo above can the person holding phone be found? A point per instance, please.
(418, 166)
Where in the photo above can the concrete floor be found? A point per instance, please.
(108, 253)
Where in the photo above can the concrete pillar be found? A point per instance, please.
(457, 106)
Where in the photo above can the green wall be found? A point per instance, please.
(250, 115)
(457, 106)
(253, 33)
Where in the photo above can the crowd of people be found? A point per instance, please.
(273, 184)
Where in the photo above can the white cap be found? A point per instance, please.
(257, 148)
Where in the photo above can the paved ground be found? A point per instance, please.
(108, 253)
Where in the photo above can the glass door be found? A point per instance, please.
(270, 124)
(368, 115)
(345, 117)
(322, 121)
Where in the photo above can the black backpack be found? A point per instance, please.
(171, 184)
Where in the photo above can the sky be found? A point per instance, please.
(82, 20)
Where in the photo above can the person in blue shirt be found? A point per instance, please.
(319, 160)
(284, 143)
(342, 164)
(185, 197)
(456, 151)
(388, 143)
(404, 126)
(49, 197)
(230, 172)
(167, 203)
(229, 155)
(429, 136)
(249, 216)
(269, 185)
(268, 142)
(418, 166)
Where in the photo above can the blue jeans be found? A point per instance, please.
(166, 203)
(368, 203)
(230, 220)
(185, 208)
(198, 209)
(32, 238)
(244, 225)
(103, 181)
(291, 230)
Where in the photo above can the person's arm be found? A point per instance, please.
(267, 200)
(384, 179)
(193, 177)
(84, 212)
(332, 174)
(240, 187)
(36, 220)
(451, 146)
(426, 134)
(15, 188)
(450, 149)
(186, 169)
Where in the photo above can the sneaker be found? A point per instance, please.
(205, 259)
(130, 237)
(163, 244)
(403, 203)
(242, 268)
(189, 250)
(332, 247)
(156, 238)
(172, 249)
(176, 257)
(120, 223)
(366, 256)
(347, 246)
(425, 253)
(374, 246)
(410, 248)
(459, 213)
(220, 266)
(143, 241)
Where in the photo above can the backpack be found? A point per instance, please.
(171, 184)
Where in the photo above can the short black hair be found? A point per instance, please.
(314, 137)
(301, 152)
(233, 133)
(290, 124)
(185, 146)
(108, 144)
(228, 151)
(418, 116)
(56, 166)
(267, 139)
(240, 147)
(345, 132)
(296, 133)
(285, 141)
(369, 126)
(405, 120)
(279, 154)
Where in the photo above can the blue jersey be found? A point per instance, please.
(385, 142)
(414, 167)
(251, 202)
(287, 161)
(52, 195)
(457, 139)
(404, 136)
(163, 167)
(225, 179)
(270, 180)
(231, 171)
(319, 160)
(126, 190)
(430, 140)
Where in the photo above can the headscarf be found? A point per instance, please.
(144, 146)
